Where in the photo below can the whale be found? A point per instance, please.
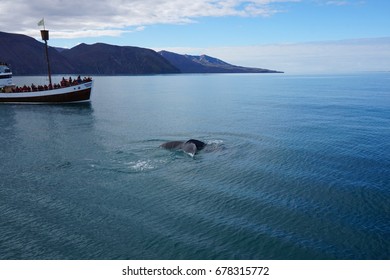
(190, 147)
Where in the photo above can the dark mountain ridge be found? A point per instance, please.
(26, 57)
(207, 64)
(104, 59)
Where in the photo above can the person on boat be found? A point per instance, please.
(34, 87)
(64, 82)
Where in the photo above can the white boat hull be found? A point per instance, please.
(71, 94)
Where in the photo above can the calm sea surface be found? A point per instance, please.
(297, 167)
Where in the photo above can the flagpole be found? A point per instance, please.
(45, 37)
(47, 55)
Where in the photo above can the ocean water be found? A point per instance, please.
(297, 167)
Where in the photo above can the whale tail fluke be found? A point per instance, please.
(199, 144)
(190, 147)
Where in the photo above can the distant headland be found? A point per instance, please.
(26, 57)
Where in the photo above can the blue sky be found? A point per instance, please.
(358, 29)
(299, 22)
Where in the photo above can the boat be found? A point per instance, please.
(68, 91)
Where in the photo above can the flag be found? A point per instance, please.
(41, 22)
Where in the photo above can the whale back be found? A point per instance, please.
(173, 145)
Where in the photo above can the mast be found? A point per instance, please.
(45, 37)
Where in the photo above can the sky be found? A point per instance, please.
(295, 36)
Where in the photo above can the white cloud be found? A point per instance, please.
(75, 18)
(317, 57)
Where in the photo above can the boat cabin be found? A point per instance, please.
(5, 76)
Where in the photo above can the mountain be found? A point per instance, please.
(207, 64)
(27, 56)
(104, 59)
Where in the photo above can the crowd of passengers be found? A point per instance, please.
(64, 83)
